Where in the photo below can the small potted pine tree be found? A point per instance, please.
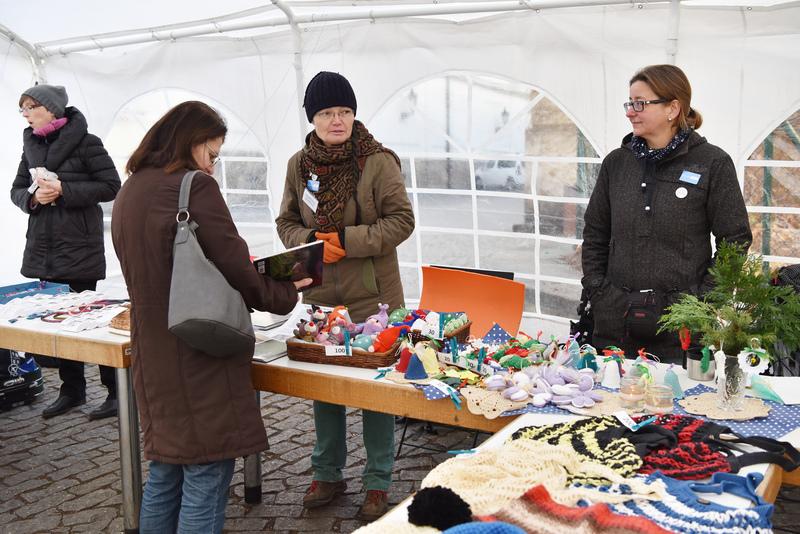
(740, 318)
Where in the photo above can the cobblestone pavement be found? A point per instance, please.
(62, 475)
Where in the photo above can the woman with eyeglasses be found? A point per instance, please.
(198, 412)
(345, 188)
(658, 199)
(64, 174)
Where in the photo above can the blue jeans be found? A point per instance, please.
(187, 499)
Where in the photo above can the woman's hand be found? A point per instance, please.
(299, 284)
(46, 195)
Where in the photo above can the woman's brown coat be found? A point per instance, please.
(194, 408)
(370, 273)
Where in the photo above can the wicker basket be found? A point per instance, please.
(303, 351)
(461, 334)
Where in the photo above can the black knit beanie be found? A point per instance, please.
(52, 97)
(326, 90)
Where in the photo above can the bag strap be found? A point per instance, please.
(776, 452)
(182, 233)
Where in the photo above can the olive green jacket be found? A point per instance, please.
(370, 273)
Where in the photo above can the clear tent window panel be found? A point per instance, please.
(783, 143)
(776, 234)
(507, 254)
(505, 214)
(772, 193)
(559, 299)
(442, 173)
(497, 151)
(243, 165)
(573, 179)
(445, 210)
(562, 260)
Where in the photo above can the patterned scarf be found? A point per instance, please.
(642, 151)
(339, 169)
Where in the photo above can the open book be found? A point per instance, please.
(294, 264)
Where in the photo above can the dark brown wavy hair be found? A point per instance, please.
(670, 82)
(168, 144)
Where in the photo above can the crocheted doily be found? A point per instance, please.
(707, 404)
(489, 404)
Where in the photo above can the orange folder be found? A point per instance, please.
(486, 299)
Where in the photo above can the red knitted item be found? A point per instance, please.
(686, 461)
(692, 458)
(536, 510)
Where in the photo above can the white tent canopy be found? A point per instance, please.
(501, 111)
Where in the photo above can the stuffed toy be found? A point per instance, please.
(339, 312)
(318, 316)
(306, 330)
(323, 338)
(386, 339)
(362, 341)
(382, 317)
(372, 326)
(398, 315)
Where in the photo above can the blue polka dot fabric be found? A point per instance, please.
(781, 420)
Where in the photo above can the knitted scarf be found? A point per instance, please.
(338, 168)
(50, 127)
(642, 151)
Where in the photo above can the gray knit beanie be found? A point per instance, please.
(326, 90)
(52, 97)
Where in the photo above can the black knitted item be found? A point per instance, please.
(438, 507)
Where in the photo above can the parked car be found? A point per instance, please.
(499, 175)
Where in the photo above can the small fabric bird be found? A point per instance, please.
(671, 379)
(763, 390)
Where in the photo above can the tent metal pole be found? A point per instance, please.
(173, 32)
(30, 50)
(297, 43)
(672, 31)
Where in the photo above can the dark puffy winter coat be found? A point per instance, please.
(65, 240)
(194, 408)
(668, 249)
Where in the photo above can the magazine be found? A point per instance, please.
(294, 264)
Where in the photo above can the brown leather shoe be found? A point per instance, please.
(375, 505)
(320, 493)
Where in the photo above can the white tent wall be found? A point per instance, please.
(15, 76)
(744, 66)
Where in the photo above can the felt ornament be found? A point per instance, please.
(415, 369)
(428, 358)
(514, 361)
(671, 380)
(382, 316)
(762, 389)
(398, 315)
(496, 382)
(611, 373)
(438, 507)
(405, 356)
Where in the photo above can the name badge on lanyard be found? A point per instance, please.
(313, 184)
(310, 200)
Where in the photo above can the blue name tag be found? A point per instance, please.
(689, 177)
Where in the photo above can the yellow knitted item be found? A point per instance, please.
(490, 479)
(619, 454)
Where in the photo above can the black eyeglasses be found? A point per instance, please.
(638, 105)
(213, 156)
(28, 109)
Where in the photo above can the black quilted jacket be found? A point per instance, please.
(65, 240)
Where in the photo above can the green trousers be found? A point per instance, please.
(330, 451)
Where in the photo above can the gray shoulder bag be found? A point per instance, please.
(204, 310)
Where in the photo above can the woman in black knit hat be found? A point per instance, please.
(64, 174)
(345, 188)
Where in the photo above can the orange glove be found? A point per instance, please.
(333, 250)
